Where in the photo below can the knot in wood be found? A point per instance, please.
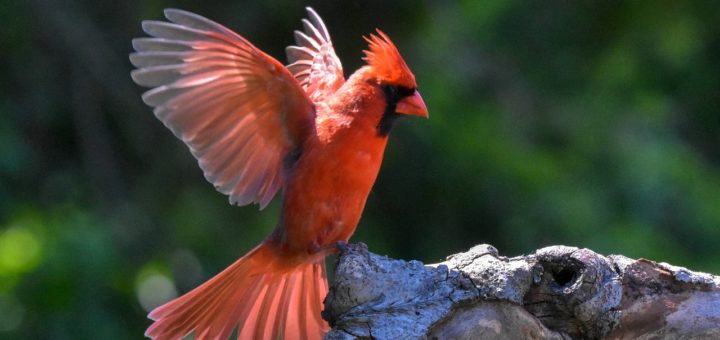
(573, 291)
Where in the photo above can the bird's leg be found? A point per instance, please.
(341, 246)
(334, 247)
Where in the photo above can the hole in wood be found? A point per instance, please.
(564, 276)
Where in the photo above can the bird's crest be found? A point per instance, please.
(385, 59)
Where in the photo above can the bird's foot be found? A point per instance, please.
(341, 246)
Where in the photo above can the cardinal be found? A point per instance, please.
(256, 127)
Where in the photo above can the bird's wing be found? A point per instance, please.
(241, 112)
(313, 60)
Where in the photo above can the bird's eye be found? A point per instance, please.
(391, 91)
(395, 92)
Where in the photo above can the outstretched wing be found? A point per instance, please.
(240, 111)
(313, 60)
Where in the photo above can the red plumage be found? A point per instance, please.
(255, 127)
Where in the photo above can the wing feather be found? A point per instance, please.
(313, 61)
(239, 110)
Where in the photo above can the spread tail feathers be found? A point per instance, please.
(264, 303)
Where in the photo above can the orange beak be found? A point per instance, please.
(412, 105)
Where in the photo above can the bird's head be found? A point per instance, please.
(394, 76)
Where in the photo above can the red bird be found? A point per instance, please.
(256, 126)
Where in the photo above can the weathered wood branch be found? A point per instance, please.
(556, 293)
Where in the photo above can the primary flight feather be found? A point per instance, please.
(256, 126)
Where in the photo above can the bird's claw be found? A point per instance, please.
(341, 246)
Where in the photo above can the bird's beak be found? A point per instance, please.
(412, 105)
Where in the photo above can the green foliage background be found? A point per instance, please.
(586, 123)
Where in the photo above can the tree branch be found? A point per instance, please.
(556, 293)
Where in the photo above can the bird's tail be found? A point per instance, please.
(265, 300)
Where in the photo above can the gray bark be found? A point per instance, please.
(556, 293)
